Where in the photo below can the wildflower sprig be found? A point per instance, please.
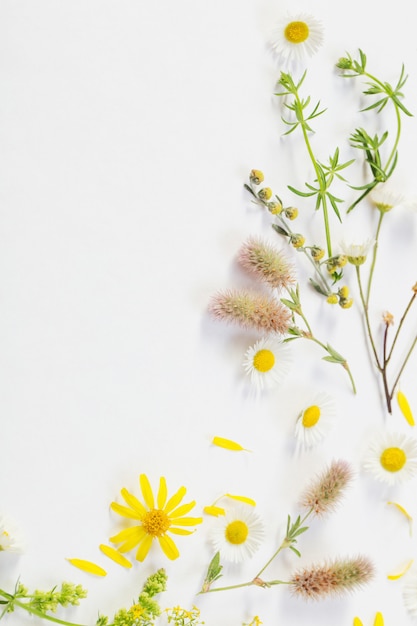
(361, 139)
(143, 611)
(322, 496)
(325, 174)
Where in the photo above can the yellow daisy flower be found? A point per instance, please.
(156, 519)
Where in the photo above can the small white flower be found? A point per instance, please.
(10, 537)
(268, 362)
(392, 458)
(357, 252)
(237, 534)
(410, 593)
(297, 37)
(315, 420)
(385, 197)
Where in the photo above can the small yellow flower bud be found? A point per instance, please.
(274, 207)
(344, 63)
(341, 260)
(388, 318)
(345, 303)
(291, 212)
(332, 299)
(297, 240)
(384, 207)
(343, 291)
(256, 177)
(265, 193)
(414, 288)
(317, 253)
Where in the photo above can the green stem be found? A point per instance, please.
(413, 297)
(403, 366)
(366, 316)
(374, 253)
(26, 607)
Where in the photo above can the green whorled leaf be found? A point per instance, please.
(280, 230)
(214, 569)
(291, 305)
(250, 190)
(297, 552)
(331, 359)
(293, 330)
(335, 208)
(304, 194)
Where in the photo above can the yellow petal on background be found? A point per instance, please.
(405, 408)
(227, 443)
(169, 547)
(180, 531)
(146, 491)
(88, 566)
(182, 510)
(357, 622)
(145, 546)
(397, 576)
(133, 502)
(162, 493)
(175, 500)
(404, 512)
(379, 620)
(241, 499)
(214, 510)
(115, 555)
(124, 511)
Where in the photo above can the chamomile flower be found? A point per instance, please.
(357, 252)
(410, 594)
(297, 37)
(315, 420)
(267, 362)
(385, 197)
(10, 537)
(392, 458)
(237, 534)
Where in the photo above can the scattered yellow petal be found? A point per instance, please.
(357, 622)
(88, 566)
(404, 512)
(379, 620)
(405, 408)
(115, 555)
(397, 576)
(214, 510)
(227, 443)
(241, 499)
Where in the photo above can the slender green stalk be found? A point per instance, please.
(374, 253)
(366, 316)
(394, 341)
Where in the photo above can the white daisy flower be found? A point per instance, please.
(410, 593)
(268, 362)
(10, 537)
(315, 420)
(392, 458)
(237, 534)
(385, 197)
(297, 37)
(357, 252)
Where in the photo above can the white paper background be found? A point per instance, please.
(127, 130)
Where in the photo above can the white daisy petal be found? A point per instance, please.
(297, 37)
(237, 534)
(410, 593)
(10, 537)
(267, 362)
(357, 252)
(315, 420)
(392, 458)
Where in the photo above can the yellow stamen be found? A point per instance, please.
(403, 571)
(296, 32)
(311, 416)
(236, 532)
(155, 522)
(227, 443)
(405, 408)
(88, 566)
(393, 459)
(263, 361)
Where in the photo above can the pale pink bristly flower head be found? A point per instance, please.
(333, 578)
(267, 263)
(251, 310)
(326, 491)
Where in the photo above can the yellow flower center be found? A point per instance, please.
(155, 522)
(311, 416)
(263, 361)
(296, 32)
(136, 611)
(236, 532)
(393, 459)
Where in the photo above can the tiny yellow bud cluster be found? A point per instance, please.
(291, 212)
(297, 240)
(317, 253)
(265, 193)
(336, 262)
(256, 177)
(341, 298)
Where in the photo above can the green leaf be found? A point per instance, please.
(280, 230)
(295, 551)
